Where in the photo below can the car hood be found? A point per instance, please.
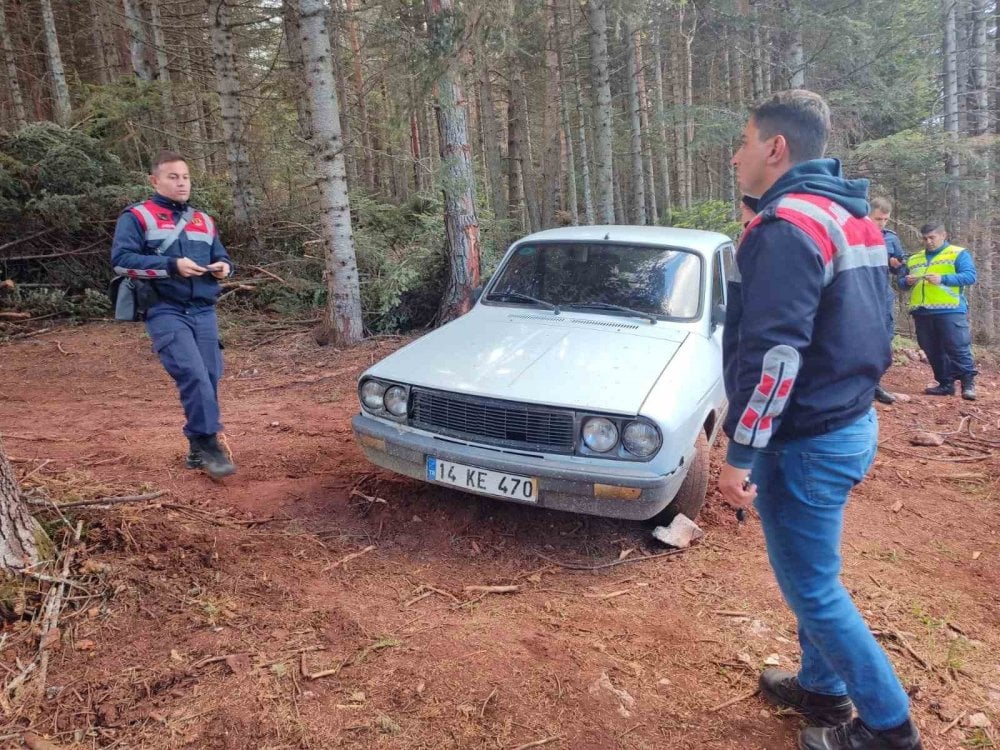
(597, 363)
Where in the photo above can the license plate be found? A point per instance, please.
(488, 482)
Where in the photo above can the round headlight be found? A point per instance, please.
(600, 434)
(641, 439)
(395, 401)
(371, 395)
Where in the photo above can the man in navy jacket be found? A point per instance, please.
(805, 344)
(181, 321)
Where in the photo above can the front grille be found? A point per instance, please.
(502, 423)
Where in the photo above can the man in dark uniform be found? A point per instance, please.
(184, 283)
(804, 346)
(881, 212)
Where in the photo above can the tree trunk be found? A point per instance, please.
(652, 212)
(792, 56)
(163, 70)
(293, 45)
(952, 169)
(528, 175)
(980, 68)
(60, 91)
(18, 528)
(588, 199)
(515, 152)
(635, 122)
(663, 145)
(97, 41)
(357, 78)
(551, 184)
(491, 140)
(689, 104)
(138, 39)
(680, 129)
(10, 69)
(342, 324)
(228, 87)
(458, 184)
(195, 124)
(602, 111)
(757, 53)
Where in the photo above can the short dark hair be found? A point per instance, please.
(801, 116)
(166, 156)
(932, 226)
(881, 203)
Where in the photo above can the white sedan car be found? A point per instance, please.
(587, 377)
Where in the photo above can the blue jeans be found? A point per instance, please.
(802, 489)
(187, 342)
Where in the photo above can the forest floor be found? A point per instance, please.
(313, 601)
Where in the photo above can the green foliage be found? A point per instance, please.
(712, 216)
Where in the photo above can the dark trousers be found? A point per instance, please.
(947, 341)
(187, 342)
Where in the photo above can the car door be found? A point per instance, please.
(723, 263)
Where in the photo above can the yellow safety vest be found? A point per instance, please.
(935, 296)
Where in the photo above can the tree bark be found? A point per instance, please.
(677, 77)
(792, 55)
(195, 124)
(663, 145)
(952, 168)
(358, 80)
(491, 140)
(635, 122)
(293, 46)
(228, 87)
(342, 325)
(10, 69)
(163, 70)
(602, 111)
(60, 90)
(757, 53)
(527, 166)
(459, 186)
(588, 199)
(551, 184)
(18, 528)
(138, 39)
(515, 151)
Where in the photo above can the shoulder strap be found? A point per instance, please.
(171, 238)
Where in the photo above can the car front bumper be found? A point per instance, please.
(611, 489)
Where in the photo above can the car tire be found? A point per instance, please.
(691, 496)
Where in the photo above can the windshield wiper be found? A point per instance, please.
(608, 306)
(518, 297)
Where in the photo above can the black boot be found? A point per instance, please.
(857, 736)
(969, 389)
(883, 396)
(782, 689)
(208, 455)
(941, 390)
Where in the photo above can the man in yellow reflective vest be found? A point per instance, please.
(936, 277)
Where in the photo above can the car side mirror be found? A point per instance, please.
(477, 293)
(718, 315)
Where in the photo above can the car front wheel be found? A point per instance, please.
(691, 496)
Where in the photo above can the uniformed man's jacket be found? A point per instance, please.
(805, 340)
(141, 230)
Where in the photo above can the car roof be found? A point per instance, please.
(698, 240)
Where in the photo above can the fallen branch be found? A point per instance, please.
(898, 637)
(50, 614)
(492, 589)
(952, 723)
(352, 556)
(602, 566)
(733, 701)
(14, 315)
(539, 743)
(729, 613)
(111, 500)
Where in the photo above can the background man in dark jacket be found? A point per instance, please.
(805, 344)
(881, 213)
(184, 277)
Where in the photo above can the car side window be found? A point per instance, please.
(729, 269)
(718, 278)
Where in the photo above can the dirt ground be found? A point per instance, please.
(313, 601)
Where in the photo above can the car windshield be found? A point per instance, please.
(665, 282)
